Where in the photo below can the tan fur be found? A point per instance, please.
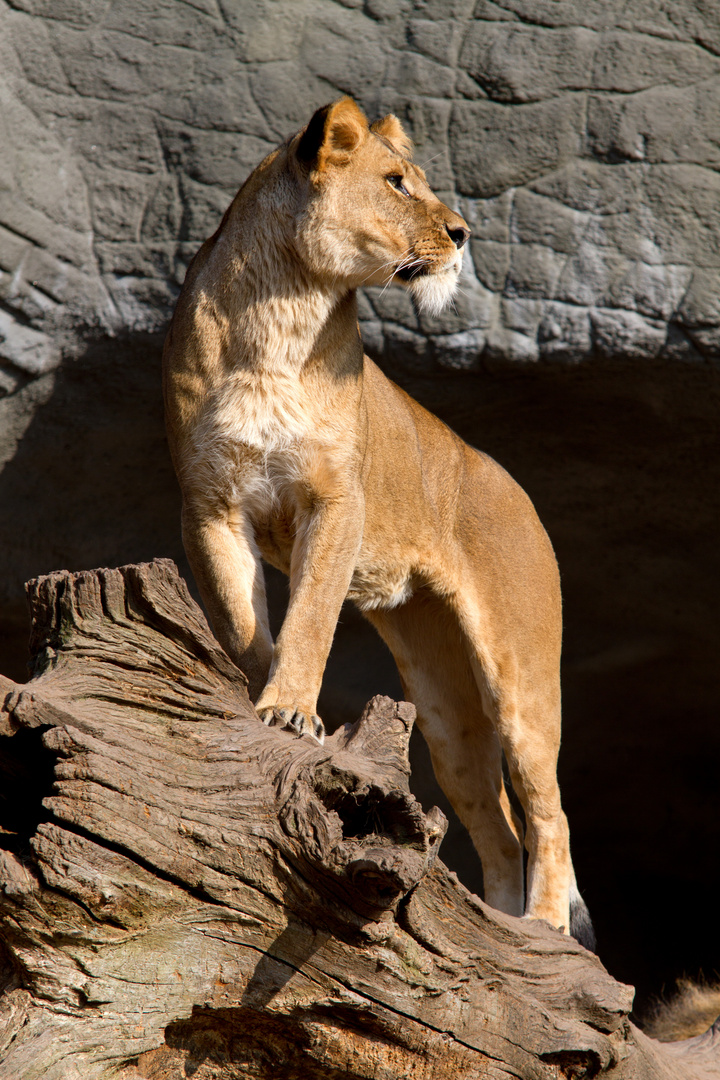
(689, 1011)
(291, 445)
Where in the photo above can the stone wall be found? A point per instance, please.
(580, 140)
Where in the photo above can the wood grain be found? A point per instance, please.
(186, 892)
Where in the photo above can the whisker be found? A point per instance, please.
(413, 263)
(403, 265)
(433, 158)
(390, 263)
(372, 273)
(387, 284)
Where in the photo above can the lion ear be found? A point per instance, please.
(390, 129)
(332, 135)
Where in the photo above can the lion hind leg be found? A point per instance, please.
(524, 701)
(467, 759)
(432, 657)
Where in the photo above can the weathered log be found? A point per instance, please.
(188, 892)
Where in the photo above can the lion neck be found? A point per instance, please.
(282, 318)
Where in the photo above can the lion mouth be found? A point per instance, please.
(412, 270)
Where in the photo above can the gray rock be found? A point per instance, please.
(460, 351)
(128, 134)
(564, 332)
(625, 333)
(516, 63)
(31, 352)
(488, 159)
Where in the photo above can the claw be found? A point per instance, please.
(292, 720)
(318, 728)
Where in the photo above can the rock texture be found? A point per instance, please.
(580, 140)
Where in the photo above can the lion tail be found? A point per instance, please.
(581, 926)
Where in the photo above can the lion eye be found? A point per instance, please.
(397, 183)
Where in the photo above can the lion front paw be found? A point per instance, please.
(289, 718)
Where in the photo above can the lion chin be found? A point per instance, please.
(433, 292)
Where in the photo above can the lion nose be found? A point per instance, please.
(459, 236)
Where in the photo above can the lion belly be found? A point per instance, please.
(379, 583)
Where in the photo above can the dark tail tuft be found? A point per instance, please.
(581, 926)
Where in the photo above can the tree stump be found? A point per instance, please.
(186, 892)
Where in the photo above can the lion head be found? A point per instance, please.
(367, 215)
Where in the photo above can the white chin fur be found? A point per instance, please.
(433, 292)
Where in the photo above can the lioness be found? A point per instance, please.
(291, 445)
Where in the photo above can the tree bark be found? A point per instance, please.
(186, 892)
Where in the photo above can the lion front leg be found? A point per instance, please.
(323, 561)
(226, 564)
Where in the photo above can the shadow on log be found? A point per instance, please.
(186, 892)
